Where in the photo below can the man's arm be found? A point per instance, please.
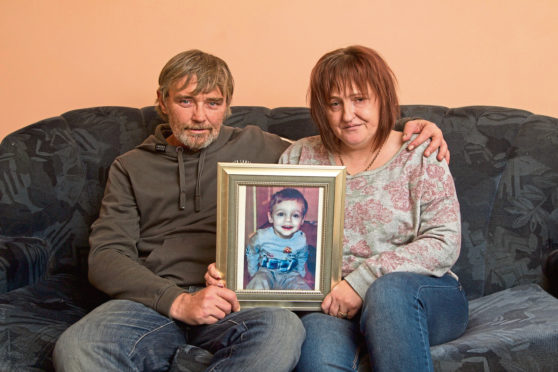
(114, 265)
(115, 268)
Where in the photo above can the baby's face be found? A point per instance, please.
(287, 217)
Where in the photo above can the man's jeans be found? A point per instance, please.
(402, 316)
(123, 335)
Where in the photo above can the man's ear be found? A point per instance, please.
(161, 101)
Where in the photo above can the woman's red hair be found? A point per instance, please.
(359, 67)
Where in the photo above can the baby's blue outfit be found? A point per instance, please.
(265, 249)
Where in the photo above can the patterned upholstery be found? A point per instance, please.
(52, 176)
(505, 334)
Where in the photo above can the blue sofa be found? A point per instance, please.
(52, 177)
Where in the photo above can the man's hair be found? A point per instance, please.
(288, 194)
(359, 67)
(210, 72)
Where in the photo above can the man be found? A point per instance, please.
(155, 236)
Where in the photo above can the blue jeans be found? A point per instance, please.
(403, 314)
(123, 335)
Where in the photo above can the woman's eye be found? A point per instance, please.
(334, 105)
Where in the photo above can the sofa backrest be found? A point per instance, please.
(505, 173)
(52, 177)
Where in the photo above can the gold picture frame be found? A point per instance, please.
(243, 211)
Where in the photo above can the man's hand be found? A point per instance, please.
(204, 307)
(342, 301)
(426, 130)
(213, 276)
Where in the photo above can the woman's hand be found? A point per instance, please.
(213, 276)
(426, 130)
(342, 301)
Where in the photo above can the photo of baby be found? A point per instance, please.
(277, 252)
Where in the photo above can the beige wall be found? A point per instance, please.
(59, 55)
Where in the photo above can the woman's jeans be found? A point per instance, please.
(403, 314)
(123, 335)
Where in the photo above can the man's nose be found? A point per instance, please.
(199, 113)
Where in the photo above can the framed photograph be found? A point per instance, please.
(280, 232)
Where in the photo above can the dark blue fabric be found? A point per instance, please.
(511, 330)
(53, 173)
(22, 261)
(32, 318)
(551, 271)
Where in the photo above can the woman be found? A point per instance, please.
(402, 231)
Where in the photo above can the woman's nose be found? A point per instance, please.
(348, 112)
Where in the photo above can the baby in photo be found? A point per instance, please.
(277, 254)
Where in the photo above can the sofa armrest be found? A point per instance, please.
(550, 269)
(23, 261)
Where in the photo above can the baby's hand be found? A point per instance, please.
(213, 276)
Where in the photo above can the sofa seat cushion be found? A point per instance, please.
(23, 261)
(512, 330)
(32, 318)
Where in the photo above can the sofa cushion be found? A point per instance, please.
(511, 330)
(22, 261)
(32, 318)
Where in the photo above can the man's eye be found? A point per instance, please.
(214, 104)
(186, 101)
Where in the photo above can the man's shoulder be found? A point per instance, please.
(142, 156)
(252, 131)
(253, 144)
(132, 154)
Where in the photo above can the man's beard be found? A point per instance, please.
(197, 142)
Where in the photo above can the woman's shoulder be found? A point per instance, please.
(415, 159)
(313, 141)
(308, 150)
